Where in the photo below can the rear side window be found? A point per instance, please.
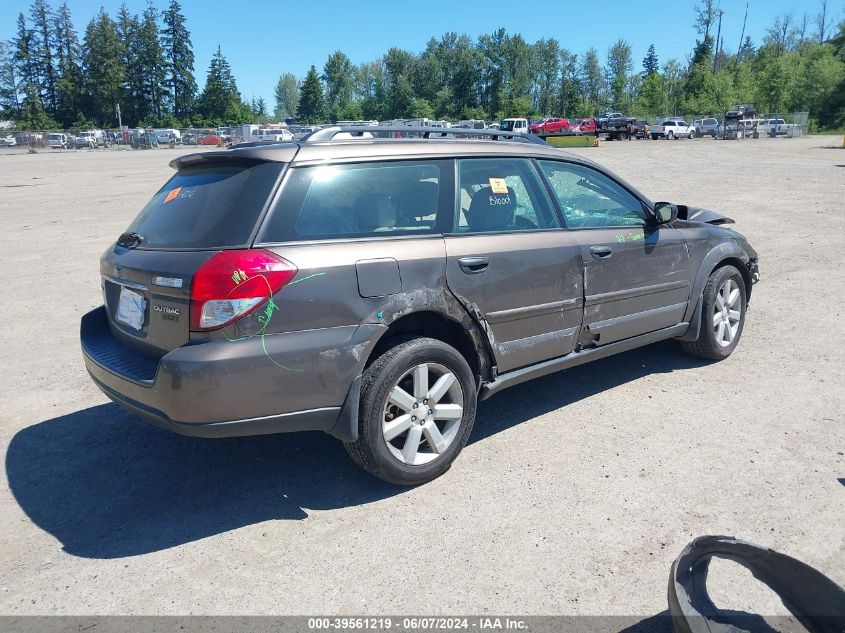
(362, 200)
(207, 206)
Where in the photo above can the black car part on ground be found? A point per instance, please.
(815, 600)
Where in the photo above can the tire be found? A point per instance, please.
(654, 137)
(393, 388)
(670, 135)
(691, 134)
(720, 330)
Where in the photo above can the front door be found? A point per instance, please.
(511, 264)
(636, 273)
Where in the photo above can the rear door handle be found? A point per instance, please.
(472, 265)
(601, 252)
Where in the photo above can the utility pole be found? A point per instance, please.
(742, 35)
(718, 39)
(119, 120)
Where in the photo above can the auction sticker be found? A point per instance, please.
(498, 185)
(174, 193)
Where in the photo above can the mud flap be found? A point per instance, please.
(694, 323)
(346, 427)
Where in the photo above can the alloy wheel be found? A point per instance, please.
(727, 312)
(422, 415)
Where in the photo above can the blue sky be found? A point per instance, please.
(262, 38)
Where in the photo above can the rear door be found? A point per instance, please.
(636, 274)
(146, 276)
(511, 264)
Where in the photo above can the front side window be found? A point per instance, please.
(502, 194)
(590, 199)
(360, 200)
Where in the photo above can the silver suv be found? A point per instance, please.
(376, 288)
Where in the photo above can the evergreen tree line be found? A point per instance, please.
(49, 77)
(143, 64)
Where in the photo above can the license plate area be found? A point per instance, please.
(131, 309)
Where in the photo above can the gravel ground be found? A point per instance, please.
(574, 496)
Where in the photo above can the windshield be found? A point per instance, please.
(207, 206)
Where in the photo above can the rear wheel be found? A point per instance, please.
(692, 133)
(417, 408)
(722, 315)
(670, 135)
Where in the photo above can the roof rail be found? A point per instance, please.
(328, 133)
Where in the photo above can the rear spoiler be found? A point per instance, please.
(271, 153)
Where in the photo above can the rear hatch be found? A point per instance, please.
(212, 203)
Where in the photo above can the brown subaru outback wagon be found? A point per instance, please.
(377, 288)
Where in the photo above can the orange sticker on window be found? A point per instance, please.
(172, 195)
(498, 185)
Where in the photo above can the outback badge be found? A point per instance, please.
(168, 312)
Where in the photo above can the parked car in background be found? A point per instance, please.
(167, 136)
(211, 139)
(775, 127)
(8, 141)
(85, 140)
(96, 138)
(514, 125)
(279, 135)
(58, 141)
(585, 126)
(614, 124)
(749, 128)
(640, 127)
(706, 127)
(671, 129)
(552, 125)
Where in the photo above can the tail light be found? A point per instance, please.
(231, 284)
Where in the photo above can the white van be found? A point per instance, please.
(514, 125)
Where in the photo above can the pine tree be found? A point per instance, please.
(220, 98)
(153, 63)
(70, 72)
(134, 106)
(337, 73)
(104, 69)
(42, 52)
(9, 103)
(23, 57)
(178, 51)
(310, 108)
(651, 64)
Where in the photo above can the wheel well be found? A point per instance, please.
(432, 325)
(743, 270)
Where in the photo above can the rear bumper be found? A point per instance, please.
(280, 383)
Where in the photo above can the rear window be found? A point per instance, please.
(207, 206)
(377, 199)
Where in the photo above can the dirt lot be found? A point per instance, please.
(574, 495)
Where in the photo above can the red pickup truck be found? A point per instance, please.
(550, 126)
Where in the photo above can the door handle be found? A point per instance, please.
(472, 265)
(601, 252)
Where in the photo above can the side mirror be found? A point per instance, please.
(665, 212)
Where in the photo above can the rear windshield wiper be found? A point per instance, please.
(130, 240)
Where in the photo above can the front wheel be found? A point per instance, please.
(417, 408)
(722, 315)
